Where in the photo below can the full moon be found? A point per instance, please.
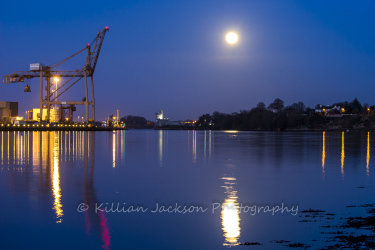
(232, 38)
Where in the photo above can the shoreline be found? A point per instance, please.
(58, 129)
(38, 128)
(283, 130)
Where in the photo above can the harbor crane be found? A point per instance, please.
(48, 72)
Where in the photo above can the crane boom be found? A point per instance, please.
(94, 55)
(20, 76)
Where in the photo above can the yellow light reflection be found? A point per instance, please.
(56, 180)
(28, 146)
(113, 149)
(21, 150)
(2, 148)
(36, 154)
(17, 155)
(230, 214)
(323, 152)
(14, 147)
(194, 145)
(342, 154)
(80, 143)
(231, 131)
(70, 133)
(8, 148)
(88, 145)
(368, 154)
(83, 144)
(74, 144)
(66, 144)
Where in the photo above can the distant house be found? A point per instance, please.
(273, 110)
(328, 109)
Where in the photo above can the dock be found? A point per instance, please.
(59, 127)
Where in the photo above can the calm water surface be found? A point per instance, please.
(212, 189)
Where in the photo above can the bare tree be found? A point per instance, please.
(277, 104)
(261, 106)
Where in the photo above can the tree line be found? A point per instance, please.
(132, 121)
(277, 116)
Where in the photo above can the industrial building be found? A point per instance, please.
(34, 115)
(8, 110)
(165, 122)
(57, 114)
(160, 116)
(161, 121)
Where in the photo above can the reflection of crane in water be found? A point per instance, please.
(96, 221)
(92, 217)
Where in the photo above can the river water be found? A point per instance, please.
(154, 189)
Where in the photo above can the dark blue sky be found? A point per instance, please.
(172, 54)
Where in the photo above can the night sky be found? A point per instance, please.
(172, 55)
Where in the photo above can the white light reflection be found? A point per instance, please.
(230, 214)
(122, 144)
(209, 145)
(161, 146)
(205, 144)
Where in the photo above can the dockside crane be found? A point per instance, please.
(48, 72)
